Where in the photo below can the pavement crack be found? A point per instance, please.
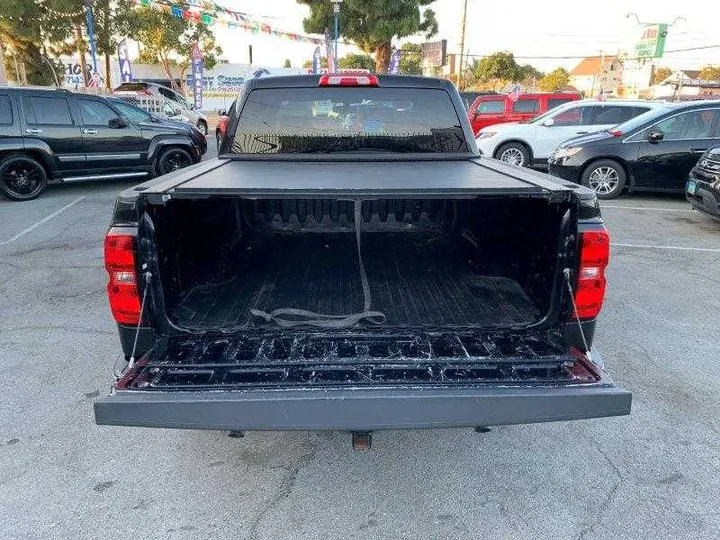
(65, 328)
(283, 492)
(609, 498)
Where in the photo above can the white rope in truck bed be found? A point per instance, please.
(290, 317)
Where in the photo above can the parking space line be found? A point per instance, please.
(644, 208)
(43, 220)
(675, 248)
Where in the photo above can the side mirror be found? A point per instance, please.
(548, 122)
(119, 122)
(655, 137)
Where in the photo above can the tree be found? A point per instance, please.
(357, 61)
(710, 73)
(373, 24)
(411, 59)
(660, 74)
(287, 63)
(498, 69)
(555, 80)
(30, 30)
(168, 39)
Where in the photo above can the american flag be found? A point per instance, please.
(514, 93)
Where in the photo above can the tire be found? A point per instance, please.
(203, 127)
(218, 139)
(515, 154)
(173, 159)
(22, 178)
(606, 177)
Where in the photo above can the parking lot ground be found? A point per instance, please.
(654, 474)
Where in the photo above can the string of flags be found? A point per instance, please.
(207, 13)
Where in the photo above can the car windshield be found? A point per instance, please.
(642, 119)
(133, 113)
(554, 112)
(131, 87)
(349, 119)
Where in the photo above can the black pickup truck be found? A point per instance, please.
(350, 262)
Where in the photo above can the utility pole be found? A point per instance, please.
(462, 45)
(336, 12)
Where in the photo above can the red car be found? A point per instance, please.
(497, 109)
(222, 123)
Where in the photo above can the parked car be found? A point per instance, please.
(531, 143)
(469, 97)
(497, 109)
(703, 187)
(49, 136)
(321, 277)
(179, 108)
(652, 152)
(222, 123)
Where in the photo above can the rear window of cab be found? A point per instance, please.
(348, 119)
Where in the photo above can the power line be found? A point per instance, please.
(576, 57)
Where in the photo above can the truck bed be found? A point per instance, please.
(424, 283)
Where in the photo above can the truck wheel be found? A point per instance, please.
(202, 126)
(513, 154)
(173, 159)
(22, 178)
(606, 177)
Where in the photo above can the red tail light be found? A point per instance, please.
(594, 257)
(122, 287)
(348, 80)
(616, 133)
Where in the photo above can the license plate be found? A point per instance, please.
(691, 187)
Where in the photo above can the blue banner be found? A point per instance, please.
(91, 36)
(124, 61)
(395, 62)
(197, 75)
(330, 53)
(316, 60)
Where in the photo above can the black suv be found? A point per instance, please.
(53, 135)
(703, 187)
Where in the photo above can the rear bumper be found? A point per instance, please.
(362, 409)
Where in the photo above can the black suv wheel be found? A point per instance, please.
(202, 126)
(22, 178)
(173, 159)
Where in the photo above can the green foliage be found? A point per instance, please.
(357, 61)
(411, 59)
(660, 74)
(555, 80)
(373, 24)
(710, 73)
(287, 63)
(166, 38)
(500, 68)
(28, 30)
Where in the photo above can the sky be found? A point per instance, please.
(530, 29)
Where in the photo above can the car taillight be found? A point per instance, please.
(615, 133)
(122, 287)
(349, 80)
(594, 257)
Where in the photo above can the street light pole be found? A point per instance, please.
(336, 12)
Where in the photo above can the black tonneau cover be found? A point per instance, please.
(382, 177)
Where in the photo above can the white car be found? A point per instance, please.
(531, 143)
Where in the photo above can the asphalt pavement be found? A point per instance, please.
(654, 474)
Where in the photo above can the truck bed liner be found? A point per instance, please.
(420, 283)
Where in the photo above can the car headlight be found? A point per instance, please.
(567, 152)
(485, 135)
